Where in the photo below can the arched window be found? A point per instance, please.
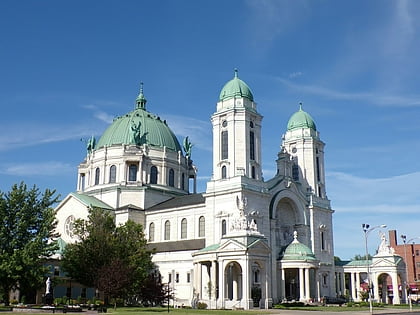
(132, 173)
(223, 171)
(225, 145)
(201, 226)
(97, 175)
(112, 174)
(184, 228)
(151, 232)
(171, 179)
(223, 227)
(153, 175)
(183, 181)
(253, 172)
(167, 234)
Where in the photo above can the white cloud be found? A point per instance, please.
(295, 74)
(43, 132)
(369, 194)
(368, 97)
(198, 131)
(49, 168)
(100, 114)
(273, 18)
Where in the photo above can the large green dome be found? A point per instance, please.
(301, 119)
(235, 88)
(298, 251)
(139, 127)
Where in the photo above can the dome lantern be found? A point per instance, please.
(141, 100)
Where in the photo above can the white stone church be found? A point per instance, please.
(246, 241)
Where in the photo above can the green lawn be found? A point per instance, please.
(162, 310)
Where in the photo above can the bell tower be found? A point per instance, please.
(236, 133)
(302, 142)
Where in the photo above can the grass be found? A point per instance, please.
(185, 311)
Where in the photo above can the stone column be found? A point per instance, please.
(307, 285)
(301, 285)
(395, 291)
(357, 285)
(283, 285)
(353, 286)
(199, 279)
(213, 278)
(374, 282)
(318, 288)
(222, 281)
(343, 283)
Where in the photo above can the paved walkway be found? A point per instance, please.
(310, 312)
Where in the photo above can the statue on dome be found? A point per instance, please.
(384, 248)
(135, 128)
(187, 147)
(90, 144)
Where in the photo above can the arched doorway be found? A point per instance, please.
(233, 283)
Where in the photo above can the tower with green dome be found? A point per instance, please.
(302, 141)
(236, 133)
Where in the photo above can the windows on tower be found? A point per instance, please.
(251, 145)
(225, 145)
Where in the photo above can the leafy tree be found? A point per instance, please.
(27, 224)
(360, 257)
(112, 258)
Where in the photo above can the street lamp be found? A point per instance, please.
(367, 229)
(404, 238)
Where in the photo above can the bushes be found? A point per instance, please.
(201, 305)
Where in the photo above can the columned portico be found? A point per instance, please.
(295, 268)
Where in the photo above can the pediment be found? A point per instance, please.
(259, 246)
(386, 261)
(231, 245)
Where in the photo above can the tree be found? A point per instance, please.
(27, 224)
(360, 257)
(113, 259)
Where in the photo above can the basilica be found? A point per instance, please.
(244, 242)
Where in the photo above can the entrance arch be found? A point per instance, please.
(233, 284)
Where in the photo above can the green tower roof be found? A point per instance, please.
(139, 127)
(298, 251)
(301, 119)
(236, 88)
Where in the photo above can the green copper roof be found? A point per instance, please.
(301, 119)
(298, 251)
(139, 127)
(91, 201)
(235, 88)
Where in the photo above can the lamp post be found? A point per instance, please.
(367, 229)
(404, 238)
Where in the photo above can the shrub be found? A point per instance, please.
(201, 305)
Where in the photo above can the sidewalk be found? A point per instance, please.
(387, 311)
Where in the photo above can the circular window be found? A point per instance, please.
(224, 123)
(69, 226)
(294, 150)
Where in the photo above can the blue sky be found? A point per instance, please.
(68, 67)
